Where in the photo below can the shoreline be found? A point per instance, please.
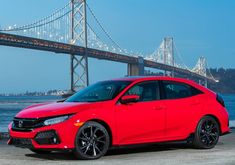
(4, 135)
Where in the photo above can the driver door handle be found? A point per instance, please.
(158, 108)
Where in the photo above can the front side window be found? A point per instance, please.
(148, 91)
(176, 90)
(102, 91)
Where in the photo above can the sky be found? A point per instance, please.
(199, 28)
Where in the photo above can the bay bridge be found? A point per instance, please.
(69, 31)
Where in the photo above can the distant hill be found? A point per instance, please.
(226, 79)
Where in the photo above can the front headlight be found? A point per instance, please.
(56, 120)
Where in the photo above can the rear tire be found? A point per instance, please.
(92, 141)
(207, 133)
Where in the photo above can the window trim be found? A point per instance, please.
(147, 81)
(163, 95)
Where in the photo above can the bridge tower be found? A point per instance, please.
(200, 68)
(79, 64)
(168, 53)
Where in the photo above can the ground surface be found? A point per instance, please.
(162, 154)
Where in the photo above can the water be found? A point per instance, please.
(9, 106)
(229, 100)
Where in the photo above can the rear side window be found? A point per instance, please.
(177, 90)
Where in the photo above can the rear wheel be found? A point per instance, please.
(207, 133)
(92, 141)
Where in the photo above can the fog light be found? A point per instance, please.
(55, 140)
(47, 138)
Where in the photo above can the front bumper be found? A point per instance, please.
(58, 136)
(21, 142)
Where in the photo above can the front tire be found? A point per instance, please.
(207, 133)
(92, 141)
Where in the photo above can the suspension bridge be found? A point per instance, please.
(68, 31)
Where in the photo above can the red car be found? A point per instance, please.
(123, 111)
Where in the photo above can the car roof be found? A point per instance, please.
(167, 78)
(144, 78)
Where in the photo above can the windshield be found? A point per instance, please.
(101, 91)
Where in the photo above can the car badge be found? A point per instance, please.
(20, 124)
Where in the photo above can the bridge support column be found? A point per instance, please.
(173, 73)
(79, 64)
(78, 72)
(200, 82)
(203, 82)
(136, 69)
(206, 84)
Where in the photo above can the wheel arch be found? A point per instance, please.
(107, 127)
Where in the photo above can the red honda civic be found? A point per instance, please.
(125, 111)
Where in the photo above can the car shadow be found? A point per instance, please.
(118, 150)
(159, 147)
(53, 156)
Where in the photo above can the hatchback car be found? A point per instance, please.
(119, 112)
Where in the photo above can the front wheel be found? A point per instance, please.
(92, 141)
(207, 133)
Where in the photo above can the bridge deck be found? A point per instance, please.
(57, 47)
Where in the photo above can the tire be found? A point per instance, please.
(92, 141)
(40, 151)
(207, 133)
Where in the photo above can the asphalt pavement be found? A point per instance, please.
(178, 153)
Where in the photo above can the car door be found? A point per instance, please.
(182, 105)
(142, 121)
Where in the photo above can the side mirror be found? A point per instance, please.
(129, 99)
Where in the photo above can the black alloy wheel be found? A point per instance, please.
(92, 141)
(207, 133)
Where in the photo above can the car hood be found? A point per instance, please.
(55, 109)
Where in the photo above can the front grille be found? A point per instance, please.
(26, 125)
(20, 142)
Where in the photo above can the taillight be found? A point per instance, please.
(220, 100)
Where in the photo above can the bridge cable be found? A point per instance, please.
(36, 24)
(102, 28)
(180, 57)
(210, 74)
